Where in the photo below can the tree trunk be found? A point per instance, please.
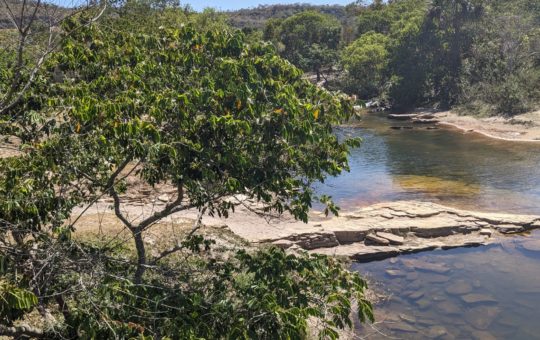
(318, 75)
(141, 256)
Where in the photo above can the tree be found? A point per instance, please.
(310, 40)
(29, 31)
(204, 113)
(366, 61)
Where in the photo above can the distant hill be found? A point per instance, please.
(44, 13)
(257, 17)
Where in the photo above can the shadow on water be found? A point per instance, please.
(467, 293)
(449, 167)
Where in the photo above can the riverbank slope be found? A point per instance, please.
(522, 128)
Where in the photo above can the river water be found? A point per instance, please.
(459, 169)
(475, 293)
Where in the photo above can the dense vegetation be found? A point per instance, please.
(149, 94)
(481, 56)
(97, 101)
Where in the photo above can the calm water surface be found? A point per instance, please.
(466, 171)
(483, 293)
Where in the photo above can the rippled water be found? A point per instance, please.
(475, 293)
(464, 170)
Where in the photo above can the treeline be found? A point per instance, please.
(258, 16)
(481, 56)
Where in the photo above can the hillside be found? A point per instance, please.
(257, 17)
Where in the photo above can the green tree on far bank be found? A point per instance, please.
(309, 40)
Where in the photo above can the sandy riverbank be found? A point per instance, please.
(520, 128)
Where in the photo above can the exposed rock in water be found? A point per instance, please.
(388, 229)
(402, 116)
(424, 121)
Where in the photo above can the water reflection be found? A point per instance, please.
(452, 168)
(475, 293)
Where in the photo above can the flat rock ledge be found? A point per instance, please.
(388, 229)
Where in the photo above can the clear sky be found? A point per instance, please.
(237, 4)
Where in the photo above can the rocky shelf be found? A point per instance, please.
(389, 229)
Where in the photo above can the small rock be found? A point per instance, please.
(374, 239)
(283, 244)
(426, 322)
(408, 318)
(486, 232)
(393, 260)
(427, 266)
(459, 288)
(163, 198)
(478, 298)
(416, 295)
(393, 239)
(401, 327)
(477, 284)
(449, 308)
(423, 303)
(483, 335)
(509, 228)
(435, 278)
(436, 332)
(395, 273)
(482, 317)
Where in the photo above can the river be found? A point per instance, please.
(484, 293)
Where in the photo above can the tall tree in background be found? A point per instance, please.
(310, 40)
